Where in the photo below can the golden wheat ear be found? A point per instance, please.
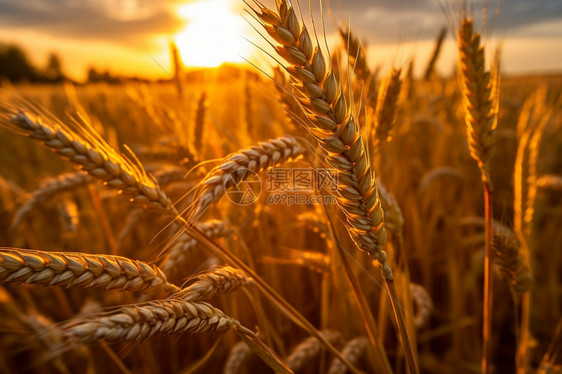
(241, 165)
(79, 143)
(74, 269)
(480, 99)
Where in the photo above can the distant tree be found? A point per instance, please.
(96, 76)
(53, 71)
(15, 66)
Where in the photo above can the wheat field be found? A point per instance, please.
(323, 218)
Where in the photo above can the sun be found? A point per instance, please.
(213, 34)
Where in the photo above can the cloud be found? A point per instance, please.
(384, 21)
(126, 22)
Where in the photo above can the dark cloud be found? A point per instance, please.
(384, 21)
(88, 19)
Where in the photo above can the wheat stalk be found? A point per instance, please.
(72, 269)
(47, 190)
(236, 166)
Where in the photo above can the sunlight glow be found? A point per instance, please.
(213, 34)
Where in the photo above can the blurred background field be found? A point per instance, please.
(179, 129)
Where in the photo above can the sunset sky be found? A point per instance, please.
(132, 36)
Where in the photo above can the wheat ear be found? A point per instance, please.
(86, 149)
(333, 123)
(393, 218)
(338, 133)
(550, 182)
(198, 129)
(236, 166)
(430, 69)
(140, 321)
(387, 104)
(423, 303)
(510, 260)
(69, 216)
(480, 92)
(71, 269)
(480, 96)
(352, 350)
(217, 281)
(308, 349)
(236, 358)
(47, 190)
